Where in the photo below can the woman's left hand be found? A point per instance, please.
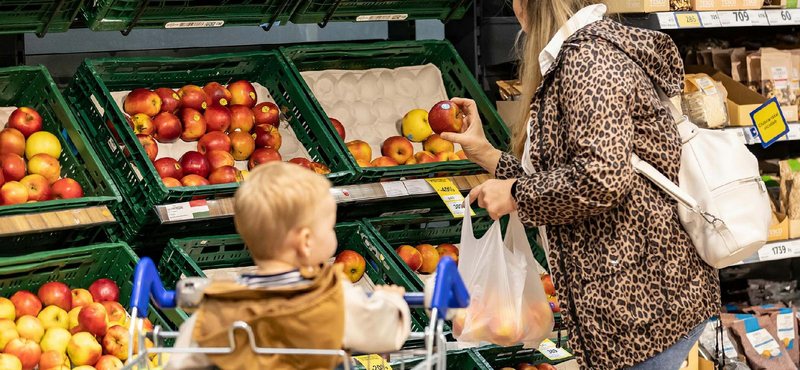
(495, 196)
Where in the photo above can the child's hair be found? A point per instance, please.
(276, 198)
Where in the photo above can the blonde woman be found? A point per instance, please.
(632, 289)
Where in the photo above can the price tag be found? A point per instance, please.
(769, 122)
(201, 24)
(341, 195)
(708, 86)
(418, 186)
(394, 189)
(450, 195)
(779, 17)
(688, 20)
(738, 18)
(373, 362)
(710, 19)
(667, 21)
(777, 251)
(187, 210)
(382, 17)
(549, 350)
(758, 18)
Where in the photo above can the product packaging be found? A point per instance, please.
(761, 348)
(776, 72)
(734, 358)
(754, 71)
(739, 65)
(794, 79)
(705, 57)
(790, 194)
(704, 101)
(680, 5)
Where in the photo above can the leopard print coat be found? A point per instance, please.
(628, 278)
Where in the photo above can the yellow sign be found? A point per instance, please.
(549, 350)
(769, 122)
(450, 195)
(373, 362)
(688, 20)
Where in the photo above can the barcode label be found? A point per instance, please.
(382, 17)
(205, 24)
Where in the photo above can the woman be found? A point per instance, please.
(632, 289)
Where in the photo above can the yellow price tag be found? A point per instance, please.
(373, 362)
(549, 350)
(769, 122)
(688, 20)
(450, 195)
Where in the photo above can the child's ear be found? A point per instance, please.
(305, 242)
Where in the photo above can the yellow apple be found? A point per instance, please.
(73, 317)
(415, 125)
(8, 331)
(83, 349)
(53, 360)
(55, 339)
(31, 328)
(54, 317)
(7, 310)
(42, 142)
(10, 362)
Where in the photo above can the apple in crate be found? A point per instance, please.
(445, 156)
(55, 293)
(104, 290)
(320, 168)
(172, 183)
(8, 331)
(397, 148)
(461, 155)
(267, 136)
(263, 155)
(81, 297)
(83, 349)
(168, 127)
(10, 362)
(167, 167)
(194, 124)
(218, 118)
(56, 339)
(53, 359)
(66, 188)
(435, 144)
(26, 120)
(218, 93)
(116, 342)
(363, 163)
(13, 167)
(53, 317)
(242, 145)
(243, 93)
(242, 118)
(26, 303)
(31, 328)
(448, 250)
(143, 124)
(115, 311)
(94, 319)
(149, 145)
(415, 125)
(109, 362)
(430, 258)
(194, 180)
(267, 113)
(12, 141)
(353, 264)
(224, 175)
(169, 99)
(545, 367)
(13, 192)
(411, 256)
(42, 142)
(214, 140)
(142, 101)
(219, 158)
(7, 311)
(360, 150)
(525, 367)
(38, 187)
(384, 162)
(302, 162)
(73, 317)
(194, 97)
(339, 127)
(424, 157)
(193, 162)
(27, 351)
(445, 116)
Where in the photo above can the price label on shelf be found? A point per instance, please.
(758, 18)
(710, 19)
(187, 210)
(373, 362)
(739, 18)
(688, 20)
(394, 189)
(667, 21)
(778, 251)
(783, 17)
(450, 195)
(549, 350)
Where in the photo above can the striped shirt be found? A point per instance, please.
(283, 280)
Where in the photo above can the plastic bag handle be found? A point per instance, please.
(467, 223)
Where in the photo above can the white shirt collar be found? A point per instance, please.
(582, 18)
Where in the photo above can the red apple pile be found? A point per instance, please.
(226, 123)
(353, 264)
(61, 327)
(424, 258)
(29, 166)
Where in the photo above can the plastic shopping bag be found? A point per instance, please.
(508, 305)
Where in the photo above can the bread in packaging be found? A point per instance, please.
(704, 101)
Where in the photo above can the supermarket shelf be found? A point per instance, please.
(346, 194)
(750, 137)
(55, 220)
(778, 250)
(714, 19)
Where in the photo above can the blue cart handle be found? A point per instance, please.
(449, 290)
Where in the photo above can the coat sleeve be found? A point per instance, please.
(508, 167)
(187, 361)
(593, 101)
(377, 324)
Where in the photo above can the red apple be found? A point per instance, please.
(360, 150)
(218, 93)
(445, 116)
(384, 162)
(66, 188)
(267, 136)
(194, 97)
(12, 141)
(57, 294)
(320, 168)
(26, 303)
(143, 124)
(83, 349)
(267, 113)
(149, 145)
(448, 250)
(545, 367)
(27, 351)
(26, 120)
(218, 118)
(263, 155)
(411, 256)
(81, 297)
(430, 258)
(353, 264)
(52, 360)
(142, 101)
(194, 124)
(424, 157)
(94, 319)
(13, 167)
(38, 187)
(116, 342)
(109, 362)
(171, 182)
(168, 127)
(168, 167)
(219, 158)
(242, 92)
(115, 311)
(525, 367)
(169, 99)
(194, 180)
(45, 165)
(214, 140)
(13, 192)
(302, 162)
(339, 127)
(105, 290)
(224, 175)
(547, 283)
(195, 163)
(242, 119)
(435, 144)
(242, 144)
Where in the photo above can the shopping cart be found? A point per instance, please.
(449, 292)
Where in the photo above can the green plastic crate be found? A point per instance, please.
(135, 176)
(323, 11)
(76, 267)
(458, 81)
(495, 357)
(37, 16)
(33, 87)
(125, 15)
(190, 256)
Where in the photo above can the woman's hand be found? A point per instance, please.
(495, 197)
(472, 138)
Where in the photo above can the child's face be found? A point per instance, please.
(323, 238)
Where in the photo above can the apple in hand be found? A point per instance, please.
(411, 256)
(83, 349)
(142, 101)
(143, 124)
(53, 317)
(194, 180)
(218, 118)
(214, 140)
(115, 311)
(168, 127)
(267, 136)
(169, 99)
(193, 162)
(8, 331)
(445, 116)
(27, 351)
(26, 303)
(384, 162)
(10, 362)
(149, 145)
(242, 119)
(166, 167)
(94, 319)
(108, 362)
(352, 263)
(430, 258)
(267, 113)
(12, 141)
(171, 182)
(217, 93)
(243, 93)
(7, 311)
(106, 289)
(116, 342)
(13, 167)
(13, 192)
(360, 150)
(66, 188)
(263, 155)
(338, 126)
(26, 120)
(194, 97)
(194, 124)
(31, 328)
(397, 148)
(81, 297)
(38, 187)
(224, 175)
(53, 359)
(448, 250)
(55, 339)
(242, 144)
(219, 158)
(435, 144)
(56, 293)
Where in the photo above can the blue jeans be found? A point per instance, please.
(673, 356)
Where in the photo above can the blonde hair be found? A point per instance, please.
(544, 19)
(276, 198)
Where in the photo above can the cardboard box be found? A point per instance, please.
(794, 229)
(781, 231)
(701, 5)
(637, 6)
(741, 100)
(751, 4)
(691, 360)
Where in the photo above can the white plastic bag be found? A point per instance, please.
(508, 305)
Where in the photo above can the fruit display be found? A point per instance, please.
(424, 258)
